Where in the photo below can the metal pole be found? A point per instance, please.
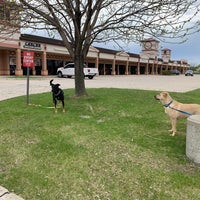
(27, 88)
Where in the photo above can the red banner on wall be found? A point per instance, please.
(28, 59)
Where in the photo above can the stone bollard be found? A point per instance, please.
(193, 139)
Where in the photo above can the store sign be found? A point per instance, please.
(28, 59)
(32, 45)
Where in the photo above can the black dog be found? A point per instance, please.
(57, 94)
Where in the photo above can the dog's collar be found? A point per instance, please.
(168, 104)
(58, 93)
(181, 111)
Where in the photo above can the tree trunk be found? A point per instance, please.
(79, 76)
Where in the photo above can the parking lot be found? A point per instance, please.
(12, 86)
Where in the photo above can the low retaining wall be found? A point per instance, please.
(193, 139)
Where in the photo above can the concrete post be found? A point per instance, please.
(193, 138)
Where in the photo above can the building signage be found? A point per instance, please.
(28, 59)
(32, 45)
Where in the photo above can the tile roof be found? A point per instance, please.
(34, 38)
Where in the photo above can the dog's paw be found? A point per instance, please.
(173, 134)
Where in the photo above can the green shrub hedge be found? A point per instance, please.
(167, 72)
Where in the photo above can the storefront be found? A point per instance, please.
(51, 54)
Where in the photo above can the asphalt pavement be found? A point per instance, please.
(12, 87)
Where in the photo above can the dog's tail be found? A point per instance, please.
(51, 82)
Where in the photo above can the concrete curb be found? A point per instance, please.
(6, 195)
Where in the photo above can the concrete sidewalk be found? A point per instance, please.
(13, 87)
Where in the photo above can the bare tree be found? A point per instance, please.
(81, 22)
(9, 18)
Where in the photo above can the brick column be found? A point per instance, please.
(147, 69)
(138, 67)
(97, 61)
(127, 64)
(18, 70)
(113, 67)
(44, 71)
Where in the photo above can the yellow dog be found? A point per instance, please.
(176, 110)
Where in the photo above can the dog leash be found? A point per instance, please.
(181, 111)
(38, 105)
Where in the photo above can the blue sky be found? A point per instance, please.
(189, 50)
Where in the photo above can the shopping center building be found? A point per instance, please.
(49, 54)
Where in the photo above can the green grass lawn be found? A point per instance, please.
(113, 145)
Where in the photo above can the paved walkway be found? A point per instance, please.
(12, 87)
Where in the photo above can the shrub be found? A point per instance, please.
(167, 72)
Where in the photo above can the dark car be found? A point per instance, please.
(175, 71)
(189, 73)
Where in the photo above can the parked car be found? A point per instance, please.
(68, 70)
(175, 71)
(189, 73)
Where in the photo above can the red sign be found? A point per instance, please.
(28, 59)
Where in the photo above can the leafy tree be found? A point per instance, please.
(196, 68)
(81, 22)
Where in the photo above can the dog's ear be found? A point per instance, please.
(165, 94)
